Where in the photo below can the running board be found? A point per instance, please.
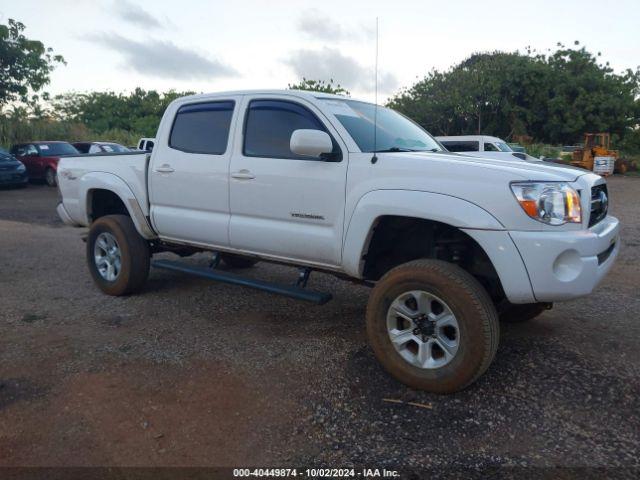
(226, 277)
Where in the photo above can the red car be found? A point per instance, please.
(41, 158)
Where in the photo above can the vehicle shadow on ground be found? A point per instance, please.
(538, 400)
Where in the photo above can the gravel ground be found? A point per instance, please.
(191, 372)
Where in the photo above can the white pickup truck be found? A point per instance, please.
(450, 244)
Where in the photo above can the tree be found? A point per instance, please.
(553, 98)
(140, 111)
(25, 65)
(319, 86)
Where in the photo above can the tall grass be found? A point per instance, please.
(15, 129)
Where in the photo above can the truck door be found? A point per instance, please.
(283, 204)
(189, 172)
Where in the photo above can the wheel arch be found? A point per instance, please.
(461, 220)
(100, 186)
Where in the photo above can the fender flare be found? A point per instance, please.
(456, 212)
(114, 184)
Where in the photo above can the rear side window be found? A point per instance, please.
(269, 125)
(461, 146)
(201, 128)
(82, 147)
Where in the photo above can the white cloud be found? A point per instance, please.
(320, 26)
(132, 13)
(330, 63)
(163, 58)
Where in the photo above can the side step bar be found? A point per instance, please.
(226, 277)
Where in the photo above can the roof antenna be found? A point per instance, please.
(374, 159)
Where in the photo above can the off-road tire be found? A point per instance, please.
(475, 313)
(236, 261)
(135, 255)
(512, 313)
(51, 177)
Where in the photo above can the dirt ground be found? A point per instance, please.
(191, 372)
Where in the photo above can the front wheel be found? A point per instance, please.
(432, 326)
(117, 255)
(51, 177)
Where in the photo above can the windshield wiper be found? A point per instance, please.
(402, 149)
(395, 149)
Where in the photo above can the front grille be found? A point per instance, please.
(599, 203)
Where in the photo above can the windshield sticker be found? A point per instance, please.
(341, 108)
(44, 147)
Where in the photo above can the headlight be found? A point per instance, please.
(21, 168)
(552, 203)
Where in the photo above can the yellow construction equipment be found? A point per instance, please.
(597, 156)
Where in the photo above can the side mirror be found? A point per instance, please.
(310, 143)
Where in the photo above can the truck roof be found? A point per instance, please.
(294, 93)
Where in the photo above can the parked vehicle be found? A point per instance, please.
(100, 147)
(41, 158)
(474, 143)
(12, 171)
(484, 146)
(146, 144)
(516, 147)
(449, 243)
(597, 155)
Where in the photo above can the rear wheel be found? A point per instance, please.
(118, 257)
(236, 261)
(432, 326)
(51, 177)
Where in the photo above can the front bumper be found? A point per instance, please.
(568, 264)
(64, 216)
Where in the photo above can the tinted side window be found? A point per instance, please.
(490, 147)
(201, 128)
(461, 146)
(269, 125)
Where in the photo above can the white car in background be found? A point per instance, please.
(483, 146)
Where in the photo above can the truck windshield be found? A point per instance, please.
(394, 132)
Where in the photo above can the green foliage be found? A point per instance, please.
(543, 150)
(553, 98)
(25, 65)
(140, 111)
(319, 86)
(631, 143)
(106, 116)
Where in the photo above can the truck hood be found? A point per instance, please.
(521, 169)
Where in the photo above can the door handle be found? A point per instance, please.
(166, 168)
(243, 175)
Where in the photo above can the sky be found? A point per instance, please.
(209, 46)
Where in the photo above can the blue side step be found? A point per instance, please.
(226, 277)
